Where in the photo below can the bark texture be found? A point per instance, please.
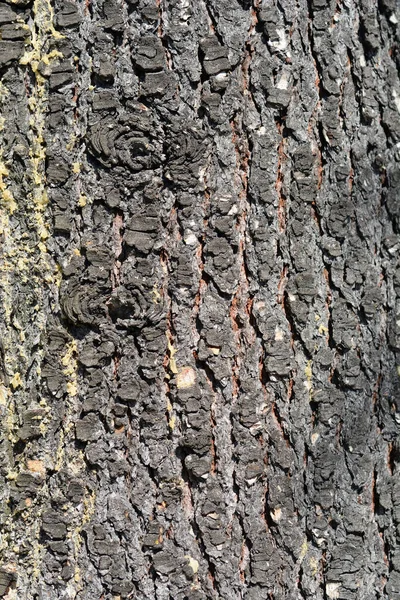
(200, 299)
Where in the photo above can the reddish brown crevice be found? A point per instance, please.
(281, 287)
(375, 513)
(118, 227)
(161, 34)
(316, 216)
(337, 11)
(375, 393)
(391, 457)
(328, 303)
(341, 114)
(75, 96)
(202, 286)
(282, 301)
(279, 180)
(374, 497)
(173, 226)
(213, 447)
(238, 313)
(233, 313)
(265, 511)
(314, 128)
(319, 167)
(351, 180)
(290, 389)
(278, 421)
(240, 309)
(168, 361)
(244, 560)
(200, 255)
(116, 363)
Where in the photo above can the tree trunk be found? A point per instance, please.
(200, 299)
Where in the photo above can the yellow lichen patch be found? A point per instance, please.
(60, 451)
(36, 549)
(72, 141)
(308, 374)
(70, 369)
(6, 195)
(186, 378)
(72, 388)
(9, 201)
(308, 370)
(82, 200)
(16, 381)
(193, 563)
(89, 504)
(44, 16)
(303, 549)
(156, 294)
(3, 395)
(47, 58)
(313, 566)
(20, 259)
(42, 32)
(322, 329)
(3, 92)
(172, 351)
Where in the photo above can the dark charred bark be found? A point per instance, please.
(200, 299)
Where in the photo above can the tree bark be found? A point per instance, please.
(200, 299)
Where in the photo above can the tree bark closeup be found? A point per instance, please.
(200, 299)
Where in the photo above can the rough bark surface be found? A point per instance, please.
(200, 299)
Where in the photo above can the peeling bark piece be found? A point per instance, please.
(164, 563)
(89, 429)
(10, 52)
(7, 576)
(215, 56)
(57, 170)
(7, 14)
(149, 55)
(53, 525)
(186, 153)
(104, 100)
(69, 15)
(158, 84)
(113, 17)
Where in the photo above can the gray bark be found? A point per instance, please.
(200, 299)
